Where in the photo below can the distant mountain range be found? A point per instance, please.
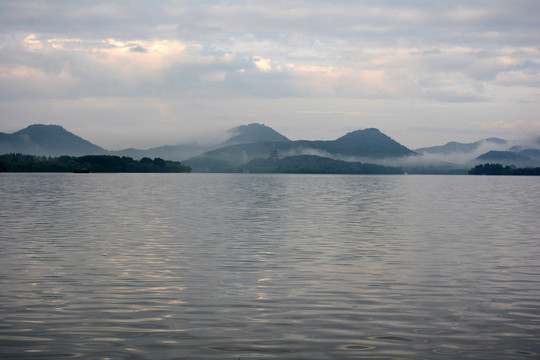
(453, 146)
(490, 150)
(254, 141)
(506, 157)
(54, 140)
(360, 145)
(239, 135)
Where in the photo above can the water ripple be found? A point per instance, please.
(200, 266)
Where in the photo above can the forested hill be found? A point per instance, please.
(312, 164)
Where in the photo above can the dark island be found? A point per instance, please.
(498, 169)
(89, 163)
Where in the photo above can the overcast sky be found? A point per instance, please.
(148, 73)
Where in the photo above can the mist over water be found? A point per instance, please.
(243, 266)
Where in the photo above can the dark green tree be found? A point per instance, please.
(160, 163)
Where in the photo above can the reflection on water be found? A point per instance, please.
(207, 266)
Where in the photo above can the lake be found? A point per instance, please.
(245, 266)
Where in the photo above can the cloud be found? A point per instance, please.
(471, 56)
(262, 63)
(138, 48)
(352, 53)
(501, 124)
(454, 96)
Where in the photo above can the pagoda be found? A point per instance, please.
(273, 153)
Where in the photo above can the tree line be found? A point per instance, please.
(498, 169)
(312, 164)
(92, 163)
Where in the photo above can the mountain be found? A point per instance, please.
(239, 135)
(255, 141)
(361, 144)
(368, 143)
(532, 153)
(49, 140)
(228, 158)
(506, 158)
(457, 147)
(491, 150)
(53, 140)
(170, 152)
(253, 133)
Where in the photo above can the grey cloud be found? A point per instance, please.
(138, 48)
(431, 52)
(358, 21)
(454, 96)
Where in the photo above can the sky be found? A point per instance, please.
(148, 73)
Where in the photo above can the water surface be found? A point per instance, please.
(243, 266)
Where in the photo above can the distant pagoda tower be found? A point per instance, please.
(273, 153)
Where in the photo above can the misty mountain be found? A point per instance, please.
(243, 134)
(506, 158)
(360, 144)
(455, 147)
(254, 141)
(253, 133)
(170, 152)
(532, 153)
(53, 140)
(491, 150)
(230, 157)
(525, 153)
(368, 143)
(48, 140)
(528, 148)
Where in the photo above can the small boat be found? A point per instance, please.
(81, 171)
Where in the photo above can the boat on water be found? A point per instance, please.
(81, 171)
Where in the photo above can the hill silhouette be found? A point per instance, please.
(243, 134)
(454, 146)
(365, 144)
(506, 158)
(54, 140)
(48, 140)
(313, 164)
(252, 133)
